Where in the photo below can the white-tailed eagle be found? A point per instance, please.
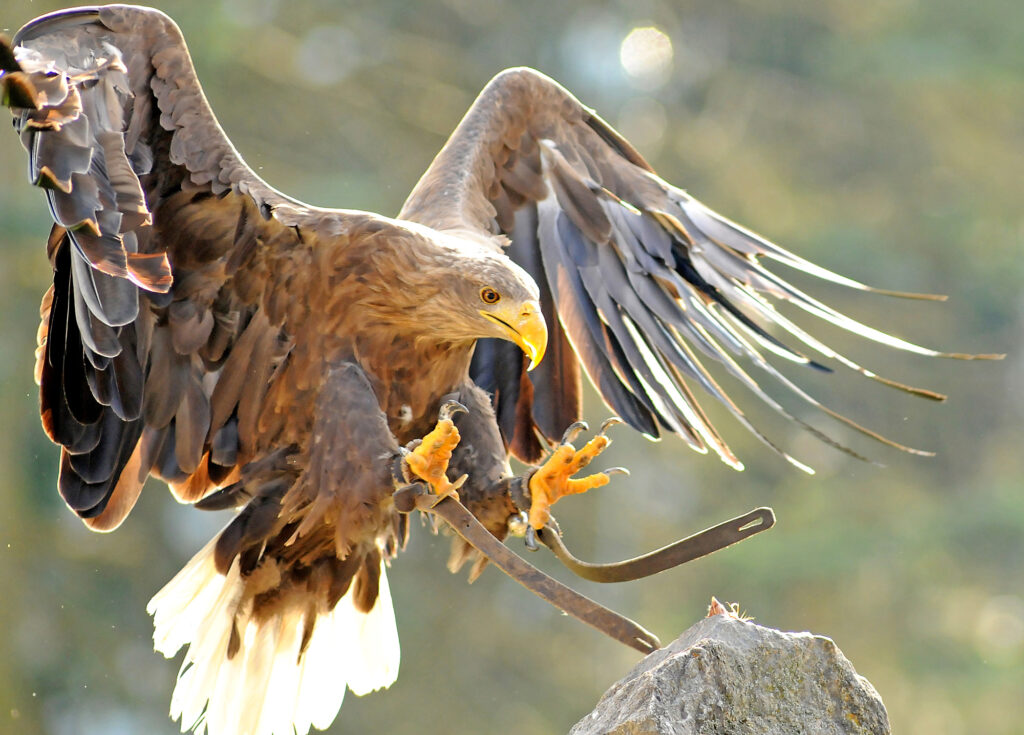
(262, 354)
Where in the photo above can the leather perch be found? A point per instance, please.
(417, 497)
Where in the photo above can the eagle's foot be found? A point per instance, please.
(554, 480)
(428, 457)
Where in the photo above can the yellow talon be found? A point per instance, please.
(429, 460)
(554, 479)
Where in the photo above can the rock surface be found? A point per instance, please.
(727, 676)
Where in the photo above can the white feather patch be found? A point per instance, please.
(266, 688)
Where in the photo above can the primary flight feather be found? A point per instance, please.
(286, 360)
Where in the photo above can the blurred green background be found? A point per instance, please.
(880, 138)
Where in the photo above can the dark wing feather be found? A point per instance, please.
(168, 255)
(556, 381)
(645, 281)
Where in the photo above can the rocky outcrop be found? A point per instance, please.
(729, 676)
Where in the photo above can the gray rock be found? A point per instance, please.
(726, 676)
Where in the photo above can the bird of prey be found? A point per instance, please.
(298, 364)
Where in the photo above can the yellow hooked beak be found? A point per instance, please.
(524, 326)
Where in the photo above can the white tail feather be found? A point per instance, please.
(266, 688)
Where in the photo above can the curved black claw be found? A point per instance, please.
(570, 434)
(449, 408)
(609, 423)
(530, 539)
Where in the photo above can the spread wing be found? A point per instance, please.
(173, 262)
(640, 282)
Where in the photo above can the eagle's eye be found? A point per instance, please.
(489, 296)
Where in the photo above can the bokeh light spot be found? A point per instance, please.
(646, 55)
(999, 629)
(327, 55)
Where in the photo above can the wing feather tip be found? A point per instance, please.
(969, 356)
(733, 462)
(150, 271)
(908, 294)
(931, 395)
(16, 91)
(807, 469)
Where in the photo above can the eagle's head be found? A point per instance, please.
(497, 298)
(458, 287)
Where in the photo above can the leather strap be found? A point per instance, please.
(693, 547)
(417, 497)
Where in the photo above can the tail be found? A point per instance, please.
(273, 674)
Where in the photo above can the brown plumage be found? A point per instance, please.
(262, 354)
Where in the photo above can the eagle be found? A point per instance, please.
(299, 364)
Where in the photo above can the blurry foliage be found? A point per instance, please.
(880, 138)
